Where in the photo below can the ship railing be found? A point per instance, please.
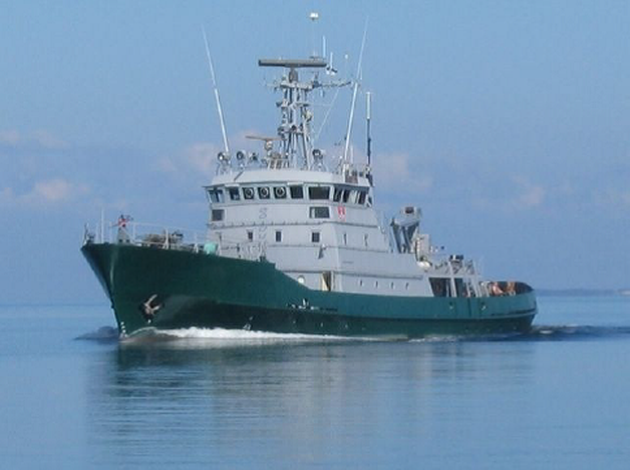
(172, 238)
(126, 231)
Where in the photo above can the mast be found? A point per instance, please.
(295, 125)
(368, 118)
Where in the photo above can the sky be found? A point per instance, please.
(507, 122)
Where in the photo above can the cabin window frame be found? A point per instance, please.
(216, 195)
(217, 215)
(246, 191)
(277, 194)
(362, 197)
(234, 193)
(319, 212)
(316, 193)
(263, 192)
(296, 191)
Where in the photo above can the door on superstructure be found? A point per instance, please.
(326, 281)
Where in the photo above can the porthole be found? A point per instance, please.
(263, 192)
(301, 280)
(280, 192)
(248, 193)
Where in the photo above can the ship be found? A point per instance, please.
(294, 244)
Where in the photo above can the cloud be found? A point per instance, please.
(40, 138)
(10, 137)
(531, 196)
(200, 158)
(53, 191)
(612, 198)
(394, 172)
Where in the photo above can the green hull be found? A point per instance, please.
(197, 290)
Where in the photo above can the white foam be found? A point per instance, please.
(224, 334)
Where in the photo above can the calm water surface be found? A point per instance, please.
(556, 398)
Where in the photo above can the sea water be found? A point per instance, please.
(73, 396)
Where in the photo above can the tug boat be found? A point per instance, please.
(294, 245)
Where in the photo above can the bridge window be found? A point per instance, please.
(297, 192)
(235, 194)
(337, 194)
(263, 192)
(346, 195)
(319, 192)
(216, 195)
(322, 212)
(248, 193)
(362, 195)
(280, 192)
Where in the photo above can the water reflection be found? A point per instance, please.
(240, 401)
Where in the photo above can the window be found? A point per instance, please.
(392, 286)
(216, 195)
(297, 192)
(346, 195)
(278, 236)
(362, 195)
(406, 286)
(319, 192)
(345, 238)
(263, 192)
(217, 215)
(235, 194)
(315, 237)
(337, 194)
(250, 235)
(280, 192)
(365, 239)
(319, 212)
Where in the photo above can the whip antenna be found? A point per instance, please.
(226, 146)
(354, 94)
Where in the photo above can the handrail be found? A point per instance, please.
(130, 232)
